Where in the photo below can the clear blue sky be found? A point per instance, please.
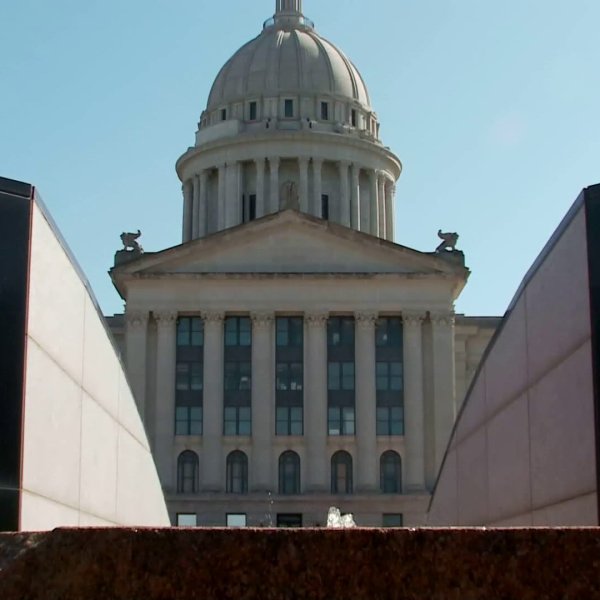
(493, 108)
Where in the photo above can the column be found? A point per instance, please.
(203, 208)
(136, 339)
(414, 402)
(188, 202)
(355, 198)
(260, 188)
(390, 191)
(274, 163)
(212, 443)
(221, 199)
(315, 403)
(374, 205)
(317, 186)
(381, 204)
(344, 195)
(366, 403)
(303, 167)
(196, 208)
(442, 327)
(234, 194)
(164, 418)
(263, 422)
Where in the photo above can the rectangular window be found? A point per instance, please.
(238, 376)
(289, 377)
(341, 420)
(238, 421)
(190, 332)
(340, 376)
(236, 520)
(353, 117)
(289, 420)
(290, 331)
(389, 377)
(388, 332)
(325, 206)
(189, 377)
(324, 111)
(392, 520)
(340, 331)
(238, 331)
(223, 114)
(390, 420)
(188, 420)
(187, 520)
(252, 110)
(288, 108)
(389, 373)
(248, 208)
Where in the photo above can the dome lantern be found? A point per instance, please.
(288, 7)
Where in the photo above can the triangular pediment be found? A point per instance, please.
(290, 242)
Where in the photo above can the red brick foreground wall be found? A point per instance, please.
(360, 564)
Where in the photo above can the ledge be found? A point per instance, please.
(363, 564)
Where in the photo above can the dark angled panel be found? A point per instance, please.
(592, 204)
(15, 215)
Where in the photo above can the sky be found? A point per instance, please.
(492, 107)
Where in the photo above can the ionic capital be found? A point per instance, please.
(366, 320)
(213, 316)
(442, 318)
(165, 318)
(262, 320)
(317, 319)
(412, 318)
(137, 319)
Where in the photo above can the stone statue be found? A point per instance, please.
(289, 195)
(335, 520)
(448, 241)
(130, 241)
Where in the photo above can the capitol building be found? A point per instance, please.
(291, 354)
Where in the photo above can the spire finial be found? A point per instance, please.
(288, 7)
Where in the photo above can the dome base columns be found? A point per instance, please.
(303, 168)
(355, 199)
(188, 206)
(260, 188)
(274, 163)
(344, 166)
(317, 187)
(381, 226)
(221, 198)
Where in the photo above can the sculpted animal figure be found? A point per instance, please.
(130, 241)
(448, 241)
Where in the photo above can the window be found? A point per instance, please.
(252, 110)
(187, 520)
(236, 520)
(290, 331)
(288, 108)
(289, 420)
(325, 206)
(390, 420)
(340, 376)
(324, 111)
(237, 473)
(390, 473)
(393, 520)
(188, 420)
(238, 331)
(340, 420)
(289, 376)
(189, 377)
(237, 420)
(289, 520)
(353, 117)
(340, 331)
(238, 376)
(190, 331)
(389, 377)
(248, 208)
(223, 114)
(341, 473)
(289, 473)
(187, 473)
(388, 332)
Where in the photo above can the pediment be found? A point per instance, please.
(290, 242)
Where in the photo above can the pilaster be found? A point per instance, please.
(203, 205)
(188, 205)
(381, 204)
(274, 163)
(317, 186)
(373, 204)
(196, 209)
(221, 208)
(260, 188)
(303, 168)
(344, 206)
(136, 340)
(355, 198)
(390, 191)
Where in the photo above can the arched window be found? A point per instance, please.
(237, 473)
(187, 473)
(289, 473)
(390, 469)
(341, 473)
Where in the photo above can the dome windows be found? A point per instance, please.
(253, 110)
(288, 108)
(324, 111)
(223, 114)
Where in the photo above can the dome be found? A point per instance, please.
(288, 57)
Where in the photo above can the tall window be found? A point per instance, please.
(325, 206)
(237, 412)
(288, 108)
(252, 110)
(389, 376)
(248, 208)
(324, 111)
(353, 117)
(237, 473)
(289, 473)
(390, 473)
(341, 473)
(223, 114)
(189, 376)
(289, 376)
(187, 473)
(340, 376)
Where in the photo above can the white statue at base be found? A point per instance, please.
(335, 520)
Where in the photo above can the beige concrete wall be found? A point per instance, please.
(86, 457)
(523, 450)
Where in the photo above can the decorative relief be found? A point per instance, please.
(442, 319)
(366, 320)
(262, 320)
(317, 319)
(213, 316)
(165, 318)
(137, 319)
